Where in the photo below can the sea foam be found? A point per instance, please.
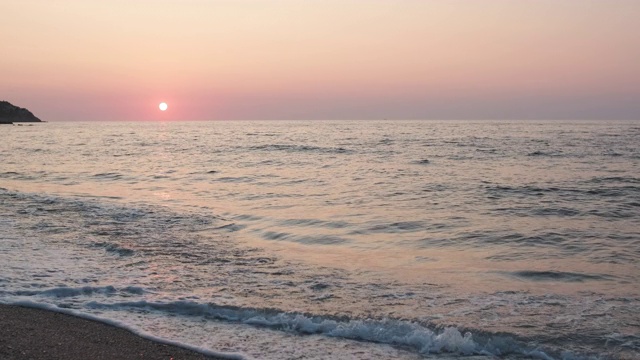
(398, 333)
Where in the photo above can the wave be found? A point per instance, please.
(303, 239)
(615, 179)
(416, 336)
(557, 276)
(315, 223)
(301, 148)
(398, 227)
(66, 292)
(239, 179)
(108, 176)
(37, 175)
(500, 191)
(398, 333)
(115, 248)
(403, 334)
(543, 153)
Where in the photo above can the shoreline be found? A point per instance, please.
(40, 334)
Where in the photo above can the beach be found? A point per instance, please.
(29, 333)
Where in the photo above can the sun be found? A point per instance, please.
(163, 106)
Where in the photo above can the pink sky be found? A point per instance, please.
(321, 59)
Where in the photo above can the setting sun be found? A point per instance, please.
(163, 106)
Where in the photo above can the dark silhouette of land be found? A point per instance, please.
(10, 113)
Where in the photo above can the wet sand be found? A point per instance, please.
(35, 334)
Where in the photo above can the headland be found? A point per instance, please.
(10, 113)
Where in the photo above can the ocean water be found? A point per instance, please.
(332, 239)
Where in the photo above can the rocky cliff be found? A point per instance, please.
(10, 113)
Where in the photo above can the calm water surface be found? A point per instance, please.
(394, 239)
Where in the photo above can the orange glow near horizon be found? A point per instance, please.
(332, 59)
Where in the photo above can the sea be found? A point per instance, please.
(332, 239)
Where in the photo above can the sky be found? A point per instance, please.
(321, 59)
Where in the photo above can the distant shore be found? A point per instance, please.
(10, 113)
(28, 333)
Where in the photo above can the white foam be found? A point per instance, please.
(403, 334)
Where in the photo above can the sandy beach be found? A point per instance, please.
(27, 333)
